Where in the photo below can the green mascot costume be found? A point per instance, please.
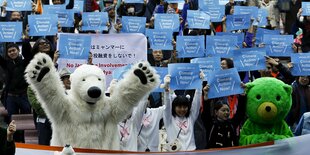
(268, 102)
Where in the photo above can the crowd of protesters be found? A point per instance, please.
(200, 124)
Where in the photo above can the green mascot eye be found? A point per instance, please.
(278, 98)
(258, 97)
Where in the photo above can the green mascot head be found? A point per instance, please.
(268, 100)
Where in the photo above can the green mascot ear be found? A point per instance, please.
(288, 89)
(248, 87)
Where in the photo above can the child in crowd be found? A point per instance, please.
(222, 129)
(179, 118)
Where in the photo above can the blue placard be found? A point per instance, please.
(95, 21)
(208, 64)
(167, 22)
(74, 46)
(50, 9)
(43, 25)
(133, 1)
(221, 46)
(305, 8)
(278, 45)
(190, 46)
(78, 6)
(240, 36)
(118, 73)
(261, 32)
(65, 17)
(223, 2)
(11, 31)
(250, 59)
(262, 17)
(184, 76)
(18, 5)
(237, 22)
(242, 10)
(301, 64)
(162, 72)
(174, 1)
(216, 12)
(204, 4)
(160, 39)
(224, 83)
(198, 19)
(133, 24)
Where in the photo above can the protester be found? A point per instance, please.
(179, 118)
(148, 134)
(295, 24)
(223, 129)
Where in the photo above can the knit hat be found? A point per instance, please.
(64, 72)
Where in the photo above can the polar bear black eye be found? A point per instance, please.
(278, 98)
(258, 97)
(83, 80)
(99, 79)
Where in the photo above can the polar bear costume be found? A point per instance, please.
(84, 116)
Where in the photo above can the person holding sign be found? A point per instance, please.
(303, 22)
(215, 114)
(131, 9)
(148, 135)
(222, 131)
(129, 128)
(279, 71)
(43, 45)
(15, 91)
(273, 13)
(179, 118)
(59, 2)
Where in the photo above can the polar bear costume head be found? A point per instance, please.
(88, 83)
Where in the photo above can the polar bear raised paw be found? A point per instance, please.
(39, 67)
(144, 73)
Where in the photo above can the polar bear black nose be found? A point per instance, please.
(94, 92)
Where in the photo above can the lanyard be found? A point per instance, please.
(124, 131)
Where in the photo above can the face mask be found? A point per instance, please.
(131, 10)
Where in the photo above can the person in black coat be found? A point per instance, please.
(221, 129)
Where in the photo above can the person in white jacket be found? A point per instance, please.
(148, 135)
(129, 128)
(179, 119)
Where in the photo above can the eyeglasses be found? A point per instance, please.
(43, 43)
